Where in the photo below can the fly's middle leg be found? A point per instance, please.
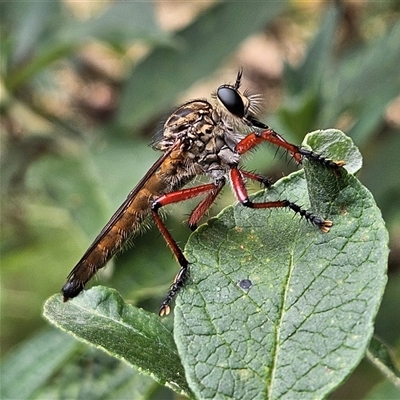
(241, 194)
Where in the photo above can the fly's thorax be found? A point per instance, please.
(192, 123)
(208, 135)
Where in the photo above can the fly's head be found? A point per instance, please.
(237, 107)
(197, 124)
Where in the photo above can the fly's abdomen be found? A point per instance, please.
(120, 227)
(169, 173)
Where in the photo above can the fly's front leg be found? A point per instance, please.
(242, 195)
(175, 197)
(254, 139)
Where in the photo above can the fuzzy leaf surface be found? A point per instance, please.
(100, 317)
(274, 307)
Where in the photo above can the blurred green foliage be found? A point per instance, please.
(74, 139)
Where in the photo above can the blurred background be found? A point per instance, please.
(84, 87)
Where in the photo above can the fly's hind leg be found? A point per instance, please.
(212, 191)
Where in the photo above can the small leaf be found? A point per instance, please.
(332, 141)
(379, 355)
(384, 390)
(324, 192)
(101, 318)
(95, 375)
(28, 367)
(274, 307)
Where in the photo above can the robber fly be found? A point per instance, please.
(199, 138)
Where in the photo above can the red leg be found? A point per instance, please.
(181, 195)
(241, 194)
(254, 139)
(176, 197)
(204, 205)
(182, 274)
(258, 178)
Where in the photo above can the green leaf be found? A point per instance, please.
(320, 182)
(300, 112)
(93, 374)
(379, 355)
(332, 141)
(345, 89)
(101, 318)
(329, 86)
(72, 182)
(53, 365)
(202, 46)
(384, 390)
(29, 22)
(383, 162)
(274, 307)
(122, 22)
(28, 367)
(308, 76)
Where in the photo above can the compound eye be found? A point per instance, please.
(232, 101)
